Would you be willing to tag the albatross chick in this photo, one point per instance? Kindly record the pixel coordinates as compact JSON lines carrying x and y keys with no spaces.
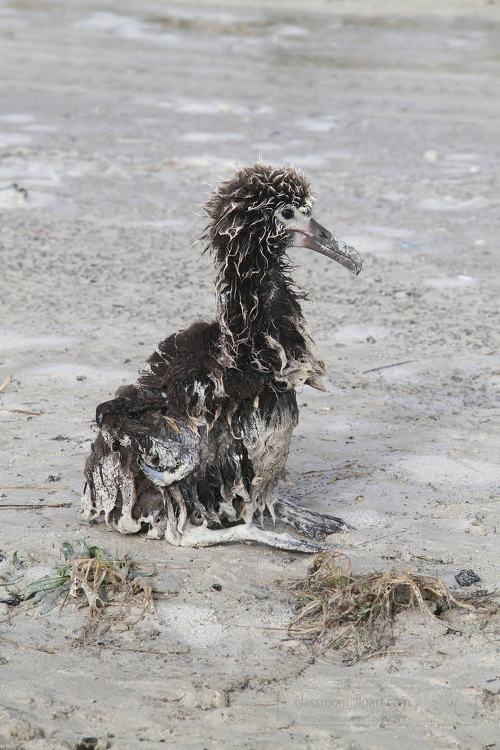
{"x":192,"y":453}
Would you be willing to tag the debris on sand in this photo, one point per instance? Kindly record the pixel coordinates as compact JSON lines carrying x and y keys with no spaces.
{"x":12,"y":196}
{"x":5,"y":383}
{"x":113,"y":589}
{"x":467,"y":577}
{"x":337,"y":609}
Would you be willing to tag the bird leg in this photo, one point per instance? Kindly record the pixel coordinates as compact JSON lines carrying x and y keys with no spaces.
{"x":202,"y":536}
{"x":311,"y":524}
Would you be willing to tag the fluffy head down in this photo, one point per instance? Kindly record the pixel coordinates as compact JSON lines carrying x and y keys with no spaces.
{"x":259,"y":314}
{"x":246,"y":205}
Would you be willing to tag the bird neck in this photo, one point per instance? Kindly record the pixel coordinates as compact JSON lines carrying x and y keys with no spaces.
{"x":262,"y":323}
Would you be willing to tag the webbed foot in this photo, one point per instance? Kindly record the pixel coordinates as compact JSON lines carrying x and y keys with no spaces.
{"x":201,"y":536}
{"x":308,"y":522}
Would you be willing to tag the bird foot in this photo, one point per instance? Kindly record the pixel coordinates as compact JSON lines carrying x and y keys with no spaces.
{"x":201,"y":536}
{"x":311,"y":524}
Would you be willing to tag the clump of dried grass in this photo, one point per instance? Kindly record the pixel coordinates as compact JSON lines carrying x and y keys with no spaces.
{"x":113,"y":589}
{"x":340,"y":610}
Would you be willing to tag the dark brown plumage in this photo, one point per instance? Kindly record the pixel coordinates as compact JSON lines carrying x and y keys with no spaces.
{"x":192,"y":453}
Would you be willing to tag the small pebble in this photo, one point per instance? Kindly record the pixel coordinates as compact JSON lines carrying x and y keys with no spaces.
{"x":93,"y":743}
{"x":217,"y":586}
{"x":466,"y":577}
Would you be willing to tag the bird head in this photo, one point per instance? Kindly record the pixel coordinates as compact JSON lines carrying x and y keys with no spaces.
{"x":264,"y":211}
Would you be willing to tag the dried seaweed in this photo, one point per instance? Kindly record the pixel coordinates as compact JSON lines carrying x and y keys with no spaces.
{"x":5,"y":383}
{"x":339,"y":610}
{"x":113,"y":589}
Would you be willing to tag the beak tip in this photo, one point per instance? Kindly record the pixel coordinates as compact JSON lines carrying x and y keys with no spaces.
{"x":356,"y":263}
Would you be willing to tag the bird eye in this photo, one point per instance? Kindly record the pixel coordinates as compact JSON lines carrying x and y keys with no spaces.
{"x":288,"y":213}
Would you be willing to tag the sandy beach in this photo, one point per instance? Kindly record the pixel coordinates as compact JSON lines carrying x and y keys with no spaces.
{"x":116,"y":121}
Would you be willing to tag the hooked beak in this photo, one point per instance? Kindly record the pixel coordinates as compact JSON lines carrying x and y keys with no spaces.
{"x":309,"y":233}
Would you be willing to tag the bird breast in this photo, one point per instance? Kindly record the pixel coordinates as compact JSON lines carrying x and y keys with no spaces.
{"x":266,"y":435}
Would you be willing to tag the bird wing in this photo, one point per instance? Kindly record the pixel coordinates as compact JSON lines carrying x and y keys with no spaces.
{"x":185,"y":368}
{"x":165,"y":448}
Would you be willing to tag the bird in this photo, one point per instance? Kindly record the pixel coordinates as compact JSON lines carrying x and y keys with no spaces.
{"x":193,"y":451}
